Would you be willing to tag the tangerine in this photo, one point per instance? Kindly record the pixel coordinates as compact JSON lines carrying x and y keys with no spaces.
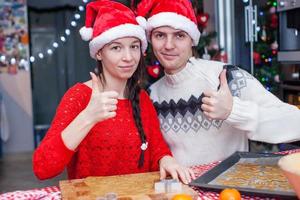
{"x":230,"y":194}
{"x":182,"y":197}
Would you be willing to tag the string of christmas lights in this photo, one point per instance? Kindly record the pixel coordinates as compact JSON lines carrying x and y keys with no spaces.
{"x":63,"y":38}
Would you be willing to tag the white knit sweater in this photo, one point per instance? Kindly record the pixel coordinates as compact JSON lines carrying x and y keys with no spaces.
{"x":256,"y":114}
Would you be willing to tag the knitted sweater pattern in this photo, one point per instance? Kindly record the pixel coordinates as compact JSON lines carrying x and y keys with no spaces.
{"x":193,"y":139}
{"x":112,"y":147}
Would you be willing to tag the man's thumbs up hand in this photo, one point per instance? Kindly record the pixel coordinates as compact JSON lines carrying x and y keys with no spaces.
{"x":218,"y":104}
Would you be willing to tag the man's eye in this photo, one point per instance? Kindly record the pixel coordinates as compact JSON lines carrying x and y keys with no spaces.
{"x":158,"y":35}
{"x":117,"y":48}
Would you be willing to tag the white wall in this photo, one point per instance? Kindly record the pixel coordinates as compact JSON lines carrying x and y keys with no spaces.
{"x":17,"y":97}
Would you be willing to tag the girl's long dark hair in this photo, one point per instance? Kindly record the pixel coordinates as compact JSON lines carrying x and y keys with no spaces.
{"x":133,"y":88}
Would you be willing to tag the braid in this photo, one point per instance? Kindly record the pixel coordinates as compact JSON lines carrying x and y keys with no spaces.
{"x":138,"y":123}
{"x":133,"y":89}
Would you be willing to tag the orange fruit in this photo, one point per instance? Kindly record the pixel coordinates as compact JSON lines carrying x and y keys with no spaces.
{"x":182,"y":197}
{"x":230,"y":194}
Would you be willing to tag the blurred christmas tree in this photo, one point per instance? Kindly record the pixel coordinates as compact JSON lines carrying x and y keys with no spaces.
{"x":266,"y":67}
{"x":207,"y":48}
{"x":265,"y":49}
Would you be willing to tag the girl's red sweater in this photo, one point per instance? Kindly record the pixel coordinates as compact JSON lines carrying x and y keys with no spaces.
{"x":111,"y":147}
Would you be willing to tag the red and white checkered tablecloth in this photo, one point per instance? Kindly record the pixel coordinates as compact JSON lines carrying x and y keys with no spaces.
{"x":53,"y":193}
{"x":47,"y":193}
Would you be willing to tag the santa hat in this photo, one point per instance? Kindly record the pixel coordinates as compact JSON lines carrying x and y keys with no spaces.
{"x":108,"y":20}
{"x":177,"y":14}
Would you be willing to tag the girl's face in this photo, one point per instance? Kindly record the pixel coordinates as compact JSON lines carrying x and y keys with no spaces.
{"x":120,"y":58}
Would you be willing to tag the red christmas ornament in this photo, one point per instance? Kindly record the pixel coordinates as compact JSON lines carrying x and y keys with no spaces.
{"x":153,"y":70}
{"x":12,"y":69}
{"x":202,"y":19}
{"x":274,"y":21}
{"x":222,"y":57}
{"x":256,"y":58}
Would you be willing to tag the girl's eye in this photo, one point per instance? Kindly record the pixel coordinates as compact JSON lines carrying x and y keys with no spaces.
{"x":135,"y":46}
{"x":180,"y":35}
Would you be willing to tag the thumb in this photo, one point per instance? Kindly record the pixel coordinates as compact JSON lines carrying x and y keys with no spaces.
{"x":223,"y":80}
{"x":163,"y":173}
{"x":95,"y":82}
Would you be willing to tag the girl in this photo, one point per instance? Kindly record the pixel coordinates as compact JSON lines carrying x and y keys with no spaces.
{"x":108,"y":125}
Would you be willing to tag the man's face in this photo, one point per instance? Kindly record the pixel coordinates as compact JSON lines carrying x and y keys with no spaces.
{"x":172,"y":47}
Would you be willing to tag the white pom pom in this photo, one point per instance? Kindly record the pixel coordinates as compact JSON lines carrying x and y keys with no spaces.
{"x":142,"y":21}
{"x":86,"y":33}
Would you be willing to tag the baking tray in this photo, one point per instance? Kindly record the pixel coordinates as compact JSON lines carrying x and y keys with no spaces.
{"x":208,"y":181}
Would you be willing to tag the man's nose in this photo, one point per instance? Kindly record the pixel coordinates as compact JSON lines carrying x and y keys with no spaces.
{"x":169,"y":44}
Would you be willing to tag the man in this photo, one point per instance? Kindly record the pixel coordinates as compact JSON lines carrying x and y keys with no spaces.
{"x":207,"y":109}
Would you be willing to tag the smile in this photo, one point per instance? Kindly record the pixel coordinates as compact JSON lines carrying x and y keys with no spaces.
{"x":169,"y":56}
{"x":124,"y":67}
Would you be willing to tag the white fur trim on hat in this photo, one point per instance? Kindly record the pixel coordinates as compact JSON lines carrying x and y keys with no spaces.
{"x":175,"y":21}
{"x":124,"y":30}
{"x":86,"y":33}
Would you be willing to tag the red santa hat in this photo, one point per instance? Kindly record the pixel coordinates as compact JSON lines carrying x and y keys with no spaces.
{"x":177,"y":14}
{"x":108,"y":20}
